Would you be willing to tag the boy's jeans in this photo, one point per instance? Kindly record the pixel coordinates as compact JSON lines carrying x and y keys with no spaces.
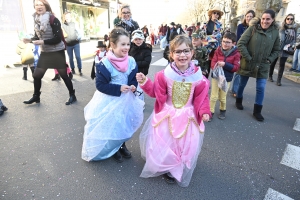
{"x":260,"y":89}
{"x":235,"y":83}
{"x":296,"y":60}
{"x":76,"y":49}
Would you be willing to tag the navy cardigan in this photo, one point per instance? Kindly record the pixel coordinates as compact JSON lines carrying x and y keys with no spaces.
{"x":103,"y":78}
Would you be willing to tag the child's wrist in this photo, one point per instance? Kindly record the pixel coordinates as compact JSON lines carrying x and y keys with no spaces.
{"x":144,"y":80}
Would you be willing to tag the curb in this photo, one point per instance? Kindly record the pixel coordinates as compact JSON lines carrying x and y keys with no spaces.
{"x":291,"y":75}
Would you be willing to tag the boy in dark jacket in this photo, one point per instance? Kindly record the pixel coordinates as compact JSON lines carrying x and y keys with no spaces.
{"x":142,"y":53}
{"x":200,"y":56}
{"x":227,"y":57}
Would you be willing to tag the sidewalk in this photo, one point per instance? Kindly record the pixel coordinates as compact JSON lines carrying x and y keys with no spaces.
{"x":287,"y":74}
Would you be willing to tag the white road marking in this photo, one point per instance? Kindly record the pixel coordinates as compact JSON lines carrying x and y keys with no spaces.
{"x":274,"y":195}
{"x":291,"y":157}
{"x":297,"y":125}
{"x":161,"y":62}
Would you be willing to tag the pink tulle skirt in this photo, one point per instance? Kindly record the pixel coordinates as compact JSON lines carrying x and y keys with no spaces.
{"x":166,"y":153}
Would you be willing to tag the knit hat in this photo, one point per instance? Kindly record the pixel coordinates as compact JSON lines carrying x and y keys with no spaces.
{"x":137,"y":34}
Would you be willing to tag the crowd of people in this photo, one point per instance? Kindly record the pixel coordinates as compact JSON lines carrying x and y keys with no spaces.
{"x":171,"y":138}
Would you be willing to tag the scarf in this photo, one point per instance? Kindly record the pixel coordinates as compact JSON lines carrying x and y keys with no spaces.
{"x":41,"y":22}
{"x":101,"y":54}
{"x":189,"y":71}
{"x":121,"y":64}
{"x":289,"y":33}
{"x":227,"y":52}
{"x":128,"y":22}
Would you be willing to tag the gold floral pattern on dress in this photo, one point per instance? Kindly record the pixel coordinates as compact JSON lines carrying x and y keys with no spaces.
{"x":180,"y":93}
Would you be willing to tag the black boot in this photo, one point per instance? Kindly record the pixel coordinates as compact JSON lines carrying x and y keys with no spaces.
{"x":80,"y":73}
{"x":56,"y":77}
{"x":270,"y":79}
{"x":70,"y":75}
{"x":278,"y":82}
{"x":2,"y":108}
{"x":35,"y":98}
{"x":73,"y":71}
{"x":32,"y":70}
{"x":222,"y":114}
{"x":238,"y":103}
{"x":72,"y":98}
{"x":24,"y":73}
{"x":124,"y":151}
{"x":257,"y":112}
{"x":118,"y":157}
{"x":169,"y":179}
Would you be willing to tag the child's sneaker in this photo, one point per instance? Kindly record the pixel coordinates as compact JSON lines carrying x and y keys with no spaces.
{"x":212,"y":115}
{"x":222,"y":114}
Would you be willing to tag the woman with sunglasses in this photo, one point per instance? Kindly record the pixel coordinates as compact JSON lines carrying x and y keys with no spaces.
{"x":126,"y":21}
{"x":287,"y":34}
{"x":212,"y":31}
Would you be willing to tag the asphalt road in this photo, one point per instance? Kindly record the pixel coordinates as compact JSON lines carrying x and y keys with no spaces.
{"x":40,"y":147}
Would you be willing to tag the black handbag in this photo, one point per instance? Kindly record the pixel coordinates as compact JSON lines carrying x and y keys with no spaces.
{"x":289,"y":50}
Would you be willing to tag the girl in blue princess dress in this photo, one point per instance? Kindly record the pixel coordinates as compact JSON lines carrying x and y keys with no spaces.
{"x":114,"y":113}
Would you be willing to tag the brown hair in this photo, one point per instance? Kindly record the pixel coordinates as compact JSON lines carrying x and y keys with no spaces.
{"x":283,"y":22}
{"x":45,"y":3}
{"x":178,"y":40}
{"x":122,"y":7}
{"x":231,"y":36}
{"x":115,"y":34}
{"x":244,"y":21}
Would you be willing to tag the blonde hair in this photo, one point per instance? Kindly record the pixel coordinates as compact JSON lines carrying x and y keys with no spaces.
{"x":177,"y":41}
{"x":122,"y":7}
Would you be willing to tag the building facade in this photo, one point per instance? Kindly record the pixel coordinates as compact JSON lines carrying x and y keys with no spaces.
{"x":94,"y":19}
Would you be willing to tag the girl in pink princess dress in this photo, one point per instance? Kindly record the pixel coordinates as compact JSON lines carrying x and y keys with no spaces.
{"x":172,"y":137}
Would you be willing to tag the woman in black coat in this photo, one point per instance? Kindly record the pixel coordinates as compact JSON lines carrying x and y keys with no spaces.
{"x":142,"y":53}
{"x":126,"y":21}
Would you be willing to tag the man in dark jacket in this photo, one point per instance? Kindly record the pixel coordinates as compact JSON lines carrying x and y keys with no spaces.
{"x":72,"y":38}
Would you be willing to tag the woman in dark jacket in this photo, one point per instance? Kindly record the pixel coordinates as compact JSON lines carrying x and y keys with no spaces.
{"x":259,"y":47}
{"x":126,"y":21}
{"x":141,"y":52}
{"x":287,"y":34}
{"x":240,"y":30}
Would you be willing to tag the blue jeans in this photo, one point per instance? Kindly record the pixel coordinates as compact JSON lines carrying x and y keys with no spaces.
{"x":260,"y":89}
{"x":76,"y":49}
{"x":235,"y":83}
{"x":296,"y":60}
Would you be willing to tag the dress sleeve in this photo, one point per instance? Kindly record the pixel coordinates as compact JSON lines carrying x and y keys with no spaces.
{"x":201,"y":99}
{"x":103,"y":78}
{"x":132,"y":77}
{"x":157,"y":89}
{"x":57,"y":33}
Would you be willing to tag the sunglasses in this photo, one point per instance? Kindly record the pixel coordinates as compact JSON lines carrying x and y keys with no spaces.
{"x":291,"y":19}
{"x":216,"y":13}
{"x":125,"y":13}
